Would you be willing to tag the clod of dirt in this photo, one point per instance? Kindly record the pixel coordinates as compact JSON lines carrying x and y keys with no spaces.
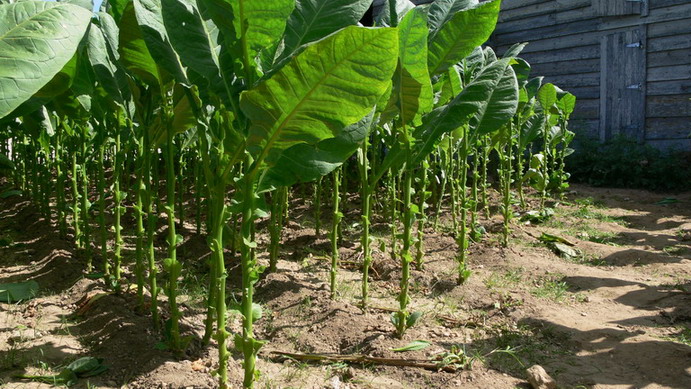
{"x":539,"y":379}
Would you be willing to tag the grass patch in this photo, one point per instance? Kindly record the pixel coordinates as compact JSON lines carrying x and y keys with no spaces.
{"x":550,"y":287}
{"x":508,"y":278}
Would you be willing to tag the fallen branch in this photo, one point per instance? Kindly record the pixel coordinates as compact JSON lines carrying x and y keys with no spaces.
{"x":364,"y":359}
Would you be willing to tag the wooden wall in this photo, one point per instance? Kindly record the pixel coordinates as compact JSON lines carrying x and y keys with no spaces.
{"x":568,"y":45}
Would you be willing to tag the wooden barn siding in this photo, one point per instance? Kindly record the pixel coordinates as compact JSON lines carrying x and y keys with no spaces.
{"x":564,"y":47}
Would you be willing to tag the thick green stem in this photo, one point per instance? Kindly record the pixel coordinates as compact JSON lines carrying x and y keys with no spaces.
{"x":317,"y":207}
{"x":506,"y":174}
{"x":335,"y":221}
{"x":405,"y":257}
{"x":249,"y":346}
{"x":75,"y":203}
{"x":462,"y":237}
{"x":60,"y":186}
{"x":172,"y":265}
{"x":86,"y":236}
{"x":101,"y":185}
{"x":219,"y":273}
{"x":365,"y":241}
{"x":119,"y":210}
{"x":140,"y":190}
{"x":151,"y":221}
{"x":421,"y":218}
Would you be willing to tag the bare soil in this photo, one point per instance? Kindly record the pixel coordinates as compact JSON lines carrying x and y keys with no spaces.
{"x":618,"y":315}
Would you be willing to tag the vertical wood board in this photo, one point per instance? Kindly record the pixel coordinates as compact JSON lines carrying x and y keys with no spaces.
{"x":623,"y":84}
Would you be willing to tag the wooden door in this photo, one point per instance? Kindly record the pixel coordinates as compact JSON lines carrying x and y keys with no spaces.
{"x":623,"y":84}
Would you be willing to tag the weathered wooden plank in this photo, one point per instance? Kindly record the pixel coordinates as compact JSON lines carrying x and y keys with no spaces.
{"x":668,"y":128}
{"x":669,"y":58}
{"x":617,"y":7}
{"x":671,"y":144}
{"x":663,"y":88}
{"x":585,"y":128}
{"x":669,"y":106}
{"x":574,"y":80}
{"x":546,"y":20}
{"x":674,"y":27}
{"x":585,"y":92}
{"x":623,"y":86}
{"x":512,"y":4}
{"x":570,"y":54}
{"x":676,"y":12}
{"x":543,"y":8}
{"x":566,"y":67}
{"x":587,"y":109}
{"x":553,"y":31}
{"x":668,"y":73}
{"x":655,"y":4}
{"x":675,"y":42}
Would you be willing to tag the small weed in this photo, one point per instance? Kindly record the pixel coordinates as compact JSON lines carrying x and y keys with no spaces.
{"x":550,"y":287}
{"x":674,"y":250}
{"x":508,"y":278}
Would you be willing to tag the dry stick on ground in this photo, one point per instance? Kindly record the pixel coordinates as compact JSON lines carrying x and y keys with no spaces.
{"x":359,"y":358}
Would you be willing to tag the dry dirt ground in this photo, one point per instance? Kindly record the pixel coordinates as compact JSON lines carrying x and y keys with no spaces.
{"x":618,"y":315}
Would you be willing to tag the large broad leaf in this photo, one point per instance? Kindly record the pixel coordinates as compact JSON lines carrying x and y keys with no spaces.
{"x":312,"y":20}
{"x":330,"y":85}
{"x":150,"y":18}
{"x":530,"y":130}
{"x":183,"y":117}
{"x":197,"y":42}
{"x":11,"y":293}
{"x":116,"y":8}
{"x":305,"y":163}
{"x":61,"y":82}
{"x":134,"y":54}
{"x":566,"y":102}
{"x":486,"y":104}
{"x":37,"y":39}
{"x":412,"y":85}
{"x":259,"y":24}
{"x":441,"y":11}
{"x":102,"y":64}
{"x":547,"y":96}
{"x":111,"y":32}
{"x":459,"y":36}
{"x":383,"y":17}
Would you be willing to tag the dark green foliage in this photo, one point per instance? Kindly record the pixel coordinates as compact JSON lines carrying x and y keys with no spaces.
{"x":625,"y":163}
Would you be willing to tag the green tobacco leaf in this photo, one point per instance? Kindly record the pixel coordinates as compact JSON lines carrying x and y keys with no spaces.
{"x":530,"y":130}
{"x":259,"y":24}
{"x":412,"y":85}
{"x":134,"y":54}
{"x":333,"y":83}
{"x":441,"y":11}
{"x":383,"y":18}
{"x":117,"y":8}
{"x":545,"y":237}
{"x":102,"y":64}
{"x":305,"y":163}
{"x":312,"y":20}
{"x":37,"y":39}
{"x":566,"y":103}
{"x":413,"y":346}
{"x":11,"y":293}
{"x":458,"y":37}
{"x":486,"y":104}
{"x":196,"y":43}
{"x":150,"y":18}
{"x":451,"y":85}
{"x":547,"y":96}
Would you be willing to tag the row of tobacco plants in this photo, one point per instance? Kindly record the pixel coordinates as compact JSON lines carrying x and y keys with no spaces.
{"x":237,"y":101}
